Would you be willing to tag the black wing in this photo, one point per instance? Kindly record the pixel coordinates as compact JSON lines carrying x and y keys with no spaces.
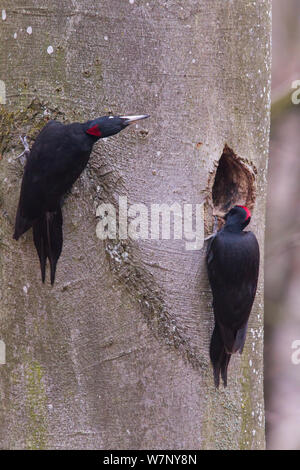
{"x":56,"y":159}
{"x":31,"y":201}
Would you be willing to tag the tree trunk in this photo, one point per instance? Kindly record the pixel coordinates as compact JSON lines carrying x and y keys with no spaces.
{"x":115,"y":355}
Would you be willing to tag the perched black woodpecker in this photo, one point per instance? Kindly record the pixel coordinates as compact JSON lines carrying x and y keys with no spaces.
{"x":57,"y":158}
{"x":233,"y":265}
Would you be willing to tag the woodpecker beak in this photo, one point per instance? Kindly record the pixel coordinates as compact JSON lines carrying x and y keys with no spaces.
{"x":132,"y":119}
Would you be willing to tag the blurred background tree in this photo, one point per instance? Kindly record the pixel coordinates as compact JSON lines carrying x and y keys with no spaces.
{"x":282,"y":268}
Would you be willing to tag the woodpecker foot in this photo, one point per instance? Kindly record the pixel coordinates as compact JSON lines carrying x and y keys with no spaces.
{"x":26,"y":151}
{"x":215,"y":229}
{"x":4,"y":213}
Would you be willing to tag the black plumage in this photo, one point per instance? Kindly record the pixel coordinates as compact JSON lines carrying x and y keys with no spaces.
{"x":233,"y":267}
{"x":57,"y":158}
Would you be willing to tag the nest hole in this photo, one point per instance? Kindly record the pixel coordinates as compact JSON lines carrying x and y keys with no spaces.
{"x":234,"y":183}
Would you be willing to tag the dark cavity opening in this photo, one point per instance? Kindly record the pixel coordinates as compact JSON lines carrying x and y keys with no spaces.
{"x":234,"y":183}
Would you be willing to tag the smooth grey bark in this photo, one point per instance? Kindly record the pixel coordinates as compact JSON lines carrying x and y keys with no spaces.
{"x":115,"y":355}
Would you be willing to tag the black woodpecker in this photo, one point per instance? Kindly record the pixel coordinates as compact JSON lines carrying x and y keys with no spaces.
{"x":57,"y":158}
{"x":233,"y":266}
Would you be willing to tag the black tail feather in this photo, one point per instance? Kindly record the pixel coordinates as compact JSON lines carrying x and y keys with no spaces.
{"x":40,"y":241}
{"x":48,"y":240}
{"x":224,"y":367}
{"x":219,"y":357}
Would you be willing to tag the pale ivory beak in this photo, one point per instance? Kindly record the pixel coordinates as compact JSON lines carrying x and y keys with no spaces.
{"x":133,"y":119}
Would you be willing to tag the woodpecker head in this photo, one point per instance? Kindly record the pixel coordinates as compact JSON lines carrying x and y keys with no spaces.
{"x":237,"y":218}
{"x":106,"y":126}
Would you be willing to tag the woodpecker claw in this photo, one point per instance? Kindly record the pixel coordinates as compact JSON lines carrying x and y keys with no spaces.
{"x":26,"y":150}
{"x":215,"y":228}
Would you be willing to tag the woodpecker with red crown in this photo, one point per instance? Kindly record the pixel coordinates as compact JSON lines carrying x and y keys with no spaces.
{"x":233,"y":266}
{"x":57,"y":158}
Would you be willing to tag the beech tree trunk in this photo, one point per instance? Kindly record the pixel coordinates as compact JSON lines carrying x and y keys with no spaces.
{"x":116,"y":354}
